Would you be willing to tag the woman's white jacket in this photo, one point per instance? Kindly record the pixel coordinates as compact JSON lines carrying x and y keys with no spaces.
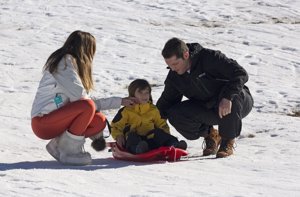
{"x":65,"y":84}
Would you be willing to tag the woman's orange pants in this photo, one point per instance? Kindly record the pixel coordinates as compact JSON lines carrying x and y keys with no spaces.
{"x":79,"y":118}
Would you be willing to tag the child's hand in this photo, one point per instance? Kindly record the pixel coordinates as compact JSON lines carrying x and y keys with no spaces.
{"x":120,"y":141}
{"x":129,"y":101}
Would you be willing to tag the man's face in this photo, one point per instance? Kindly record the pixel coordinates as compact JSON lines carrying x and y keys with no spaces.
{"x":178,"y":65}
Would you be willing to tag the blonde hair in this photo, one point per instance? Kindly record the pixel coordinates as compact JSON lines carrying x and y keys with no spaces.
{"x":82,"y":46}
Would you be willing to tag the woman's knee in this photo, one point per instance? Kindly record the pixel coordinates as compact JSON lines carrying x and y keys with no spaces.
{"x":101,"y":120}
{"x":87,"y":104}
{"x":40,"y":134}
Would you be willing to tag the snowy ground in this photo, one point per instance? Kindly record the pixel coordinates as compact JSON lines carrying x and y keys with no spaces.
{"x":263,"y":36}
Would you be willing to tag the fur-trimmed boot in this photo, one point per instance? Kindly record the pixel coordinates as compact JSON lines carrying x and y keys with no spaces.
{"x":71,"y":149}
{"x":52,"y":148}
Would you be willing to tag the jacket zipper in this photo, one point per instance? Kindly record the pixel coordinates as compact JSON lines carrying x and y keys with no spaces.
{"x":203,"y":87}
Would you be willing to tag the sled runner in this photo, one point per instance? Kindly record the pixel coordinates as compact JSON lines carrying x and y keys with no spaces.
{"x":160,"y":154}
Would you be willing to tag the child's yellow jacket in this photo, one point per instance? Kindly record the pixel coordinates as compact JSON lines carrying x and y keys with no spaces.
{"x":140,"y":118}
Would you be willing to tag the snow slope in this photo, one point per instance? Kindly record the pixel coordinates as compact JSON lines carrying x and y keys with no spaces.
{"x":262,"y":35}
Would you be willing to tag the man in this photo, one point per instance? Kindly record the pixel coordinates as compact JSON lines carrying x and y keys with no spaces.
{"x":216,"y":95}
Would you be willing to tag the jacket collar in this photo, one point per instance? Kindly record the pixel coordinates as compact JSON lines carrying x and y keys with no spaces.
{"x":142,"y":108}
{"x":194,"y":50}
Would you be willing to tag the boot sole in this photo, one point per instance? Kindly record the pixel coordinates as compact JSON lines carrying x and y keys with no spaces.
{"x":212,"y":153}
{"x":223,"y":155}
{"x":73,"y":161}
{"x":74,"y":164}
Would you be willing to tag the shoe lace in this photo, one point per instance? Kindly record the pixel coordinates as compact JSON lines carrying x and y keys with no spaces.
{"x":234,"y":145}
{"x":225,"y":145}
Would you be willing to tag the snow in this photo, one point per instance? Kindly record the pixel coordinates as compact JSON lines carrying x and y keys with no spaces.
{"x":262,"y":35}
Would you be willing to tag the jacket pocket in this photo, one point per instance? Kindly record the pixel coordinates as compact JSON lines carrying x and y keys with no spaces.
{"x":207,"y":85}
{"x":201,"y":81}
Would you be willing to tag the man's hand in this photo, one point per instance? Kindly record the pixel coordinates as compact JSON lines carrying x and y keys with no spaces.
{"x":129,"y":101}
{"x":120,"y":141}
{"x":224,"y":107}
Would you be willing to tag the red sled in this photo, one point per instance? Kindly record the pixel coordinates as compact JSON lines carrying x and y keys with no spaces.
{"x":160,"y":154}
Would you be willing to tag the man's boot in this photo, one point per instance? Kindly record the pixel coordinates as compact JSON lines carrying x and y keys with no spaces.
{"x":212,"y":141}
{"x":226,"y":148}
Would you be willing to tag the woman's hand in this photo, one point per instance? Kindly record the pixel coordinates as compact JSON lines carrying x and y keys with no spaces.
{"x":120,"y":141}
{"x":129,"y":101}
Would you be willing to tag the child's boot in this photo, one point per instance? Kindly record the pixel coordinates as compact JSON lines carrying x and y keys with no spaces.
{"x":181,"y":144}
{"x":142,"y":147}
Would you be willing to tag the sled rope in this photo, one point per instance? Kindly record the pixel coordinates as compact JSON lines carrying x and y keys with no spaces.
{"x":174,"y":156}
{"x":109,"y":128}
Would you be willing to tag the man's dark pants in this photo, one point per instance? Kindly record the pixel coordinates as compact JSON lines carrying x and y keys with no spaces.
{"x":193,"y":120}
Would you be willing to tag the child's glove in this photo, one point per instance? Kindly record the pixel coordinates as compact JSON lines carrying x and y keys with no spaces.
{"x":120,"y":141}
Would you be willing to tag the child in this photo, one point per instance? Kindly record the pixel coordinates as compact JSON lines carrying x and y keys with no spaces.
{"x":62,"y":110}
{"x":139,"y":128}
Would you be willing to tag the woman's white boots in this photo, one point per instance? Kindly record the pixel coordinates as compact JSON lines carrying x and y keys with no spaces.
{"x":68,"y":149}
{"x":52,"y":148}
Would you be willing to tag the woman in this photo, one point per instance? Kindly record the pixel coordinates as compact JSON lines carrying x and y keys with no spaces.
{"x":62,"y":110}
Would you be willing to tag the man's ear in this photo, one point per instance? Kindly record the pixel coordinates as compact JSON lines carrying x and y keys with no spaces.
{"x":186,"y":55}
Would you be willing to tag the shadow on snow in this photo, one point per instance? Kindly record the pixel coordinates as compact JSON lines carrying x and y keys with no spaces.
{"x":103,"y":163}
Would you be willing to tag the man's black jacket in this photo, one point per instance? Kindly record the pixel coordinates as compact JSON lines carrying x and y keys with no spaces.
{"x":212,"y":77}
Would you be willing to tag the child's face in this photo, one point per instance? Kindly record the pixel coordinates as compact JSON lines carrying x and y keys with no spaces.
{"x":142,"y":95}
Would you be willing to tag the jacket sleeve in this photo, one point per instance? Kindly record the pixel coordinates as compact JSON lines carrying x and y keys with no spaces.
{"x":119,"y":123}
{"x":169,"y":97}
{"x":222,"y":68}
{"x":160,"y":123}
{"x":67,"y":77}
{"x":107,"y":103}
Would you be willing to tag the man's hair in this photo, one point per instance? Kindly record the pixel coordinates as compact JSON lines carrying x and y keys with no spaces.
{"x":174,"y":46}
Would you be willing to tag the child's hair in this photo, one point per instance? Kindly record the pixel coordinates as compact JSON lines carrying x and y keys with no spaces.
{"x":82,"y":46}
{"x":140,"y":84}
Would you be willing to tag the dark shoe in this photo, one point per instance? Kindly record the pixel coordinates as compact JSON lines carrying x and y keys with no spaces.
{"x":181,"y":144}
{"x":226,"y":148}
{"x":132,"y":140}
{"x":142,"y":147}
{"x":99,"y":144}
{"x":212,"y":141}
